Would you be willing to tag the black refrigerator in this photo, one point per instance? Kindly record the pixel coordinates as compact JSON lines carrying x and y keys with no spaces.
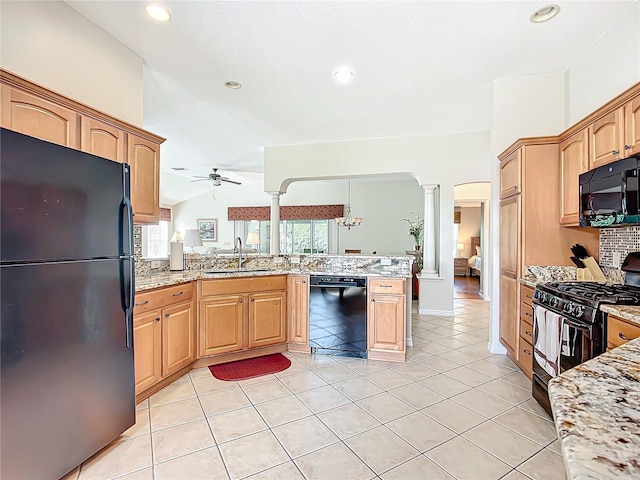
{"x":66,"y":278}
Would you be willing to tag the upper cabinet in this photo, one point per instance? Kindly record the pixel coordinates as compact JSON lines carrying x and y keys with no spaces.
{"x":573,"y":161}
{"x":37,"y":111}
{"x":510,"y":175}
{"x":34,"y":116}
{"x":606,"y":139}
{"x":632,"y":127}
{"x":100,"y":138}
{"x":144,"y":158}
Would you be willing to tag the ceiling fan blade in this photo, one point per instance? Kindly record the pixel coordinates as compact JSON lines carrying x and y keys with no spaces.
{"x":224,"y":179}
{"x":199,"y":176}
{"x":201,"y":180}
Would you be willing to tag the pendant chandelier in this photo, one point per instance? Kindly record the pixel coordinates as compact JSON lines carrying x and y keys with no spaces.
{"x":349,"y":221}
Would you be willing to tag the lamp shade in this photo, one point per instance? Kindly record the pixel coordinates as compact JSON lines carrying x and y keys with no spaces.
{"x":461,"y":246}
{"x":177,"y":237}
{"x":192,"y":238}
{"x":253,"y":238}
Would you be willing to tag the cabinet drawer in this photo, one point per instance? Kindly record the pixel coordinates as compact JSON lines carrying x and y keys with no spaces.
{"x":525,"y":358}
{"x":226,"y":286}
{"x":526,"y":313}
{"x":526,"y":294}
{"x":146,"y":301}
{"x":386,"y":285}
{"x":526,"y":331}
{"x":620,"y":332}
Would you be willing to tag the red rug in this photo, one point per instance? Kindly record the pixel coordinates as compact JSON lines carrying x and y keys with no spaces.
{"x":250,"y":368}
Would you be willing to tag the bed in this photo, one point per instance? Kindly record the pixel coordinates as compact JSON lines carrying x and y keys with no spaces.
{"x":475,"y":261}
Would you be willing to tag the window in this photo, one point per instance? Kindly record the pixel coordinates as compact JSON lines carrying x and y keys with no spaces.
{"x":155,"y":240}
{"x":296,"y":236}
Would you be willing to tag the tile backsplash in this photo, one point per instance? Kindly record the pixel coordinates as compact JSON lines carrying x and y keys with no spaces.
{"x":622,"y":240}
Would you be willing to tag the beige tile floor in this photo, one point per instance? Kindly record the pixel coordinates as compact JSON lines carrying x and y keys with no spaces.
{"x":453,"y":411}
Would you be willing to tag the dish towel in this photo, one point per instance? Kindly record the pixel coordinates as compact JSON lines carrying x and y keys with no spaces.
{"x":547,"y":329}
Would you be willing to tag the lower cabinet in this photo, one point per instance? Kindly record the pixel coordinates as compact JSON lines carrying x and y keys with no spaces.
{"x":298,"y":312}
{"x":525,"y":348}
{"x":386,"y":319}
{"x":620,"y":331}
{"x":509,"y":318}
{"x":164,"y":334}
{"x":241,"y":314}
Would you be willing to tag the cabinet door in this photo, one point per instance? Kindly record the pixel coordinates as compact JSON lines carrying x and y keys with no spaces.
{"x":221,"y":320}
{"x":99,"y":138}
{"x":267,"y":319}
{"x":386,"y":322}
{"x":147,"y":331}
{"x":606,"y":139}
{"x":178,"y":337}
{"x":298,"y":308}
{"x":632,"y":127}
{"x":509,"y":320}
{"x":510,"y":235}
{"x":510,"y":174}
{"x":31,"y":115}
{"x":144,"y":158}
{"x":574,"y":160}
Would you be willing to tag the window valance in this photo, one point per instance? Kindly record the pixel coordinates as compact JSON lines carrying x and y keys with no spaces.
{"x":290,"y":212}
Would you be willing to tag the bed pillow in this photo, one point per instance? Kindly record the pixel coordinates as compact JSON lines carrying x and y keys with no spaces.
{"x":478,"y":250}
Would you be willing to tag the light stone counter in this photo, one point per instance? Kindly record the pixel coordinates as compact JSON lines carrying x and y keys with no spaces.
{"x":596,"y":408}
{"x":632,"y":314}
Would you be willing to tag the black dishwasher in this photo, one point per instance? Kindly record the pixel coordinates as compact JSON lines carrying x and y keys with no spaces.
{"x":338,"y":315}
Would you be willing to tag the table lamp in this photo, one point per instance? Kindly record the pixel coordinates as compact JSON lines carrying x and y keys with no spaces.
{"x":460,"y":249}
{"x":192,"y":239}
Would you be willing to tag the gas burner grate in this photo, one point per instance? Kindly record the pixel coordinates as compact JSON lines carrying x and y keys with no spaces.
{"x":597,"y":292}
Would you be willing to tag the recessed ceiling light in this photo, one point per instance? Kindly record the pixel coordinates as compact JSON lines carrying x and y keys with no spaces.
{"x":545,"y":13}
{"x":343,"y":74}
{"x":233,"y":85}
{"x":159,"y":13}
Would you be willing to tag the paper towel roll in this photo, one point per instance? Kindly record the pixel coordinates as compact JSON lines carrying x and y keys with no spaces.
{"x":176,"y":257}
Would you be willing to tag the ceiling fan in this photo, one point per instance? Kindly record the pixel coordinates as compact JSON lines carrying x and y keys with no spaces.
{"x":215,"y":178}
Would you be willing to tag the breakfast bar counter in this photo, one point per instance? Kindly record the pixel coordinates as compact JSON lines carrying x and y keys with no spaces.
{"x":596,"y":408}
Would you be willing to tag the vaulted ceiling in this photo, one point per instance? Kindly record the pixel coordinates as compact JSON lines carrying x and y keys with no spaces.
{"x":422,"y":67}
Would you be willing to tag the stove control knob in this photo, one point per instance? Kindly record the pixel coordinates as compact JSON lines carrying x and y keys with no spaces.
{"x":569,"y":307}
{"x":554,"y":302}
{"x":543,"y":297}
{"x":579,"y":310}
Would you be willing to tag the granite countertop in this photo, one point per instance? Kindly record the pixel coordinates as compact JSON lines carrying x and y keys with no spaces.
{"x":596,"y":408}
{"x":630,"y":313}
{"x":165,"y":279}
{"x":529,"y":282}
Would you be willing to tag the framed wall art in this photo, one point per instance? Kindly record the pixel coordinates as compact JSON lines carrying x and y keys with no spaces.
{"x":208,"y":228}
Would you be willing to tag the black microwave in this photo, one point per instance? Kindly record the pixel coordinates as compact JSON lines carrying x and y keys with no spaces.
{"x":609,"y":195}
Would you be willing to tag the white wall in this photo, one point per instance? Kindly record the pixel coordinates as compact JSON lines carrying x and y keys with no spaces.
{"x":51,"y":44}
{"x":382,"y":204}
{"x":470,"y":220}
{"x":606,"y":68}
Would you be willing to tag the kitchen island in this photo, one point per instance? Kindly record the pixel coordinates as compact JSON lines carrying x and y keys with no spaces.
{"x":596,"y":408}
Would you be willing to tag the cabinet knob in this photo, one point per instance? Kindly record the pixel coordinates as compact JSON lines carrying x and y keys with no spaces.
{"x":627,"y":147}
{"x":176,"y":294}
{"x":240,"y":301}
{"x":166,"y":315}
{"x":616,"y":152}
{"x":157,"y":319}
{"x":253,"y":299}
{"x":302,"y":282}
{"x":142,"y":303}
{"x":527,"y":351}
{"x":373,"y":300}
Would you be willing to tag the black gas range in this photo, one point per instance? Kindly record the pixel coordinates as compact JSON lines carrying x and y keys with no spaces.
{"x":583,"y":324}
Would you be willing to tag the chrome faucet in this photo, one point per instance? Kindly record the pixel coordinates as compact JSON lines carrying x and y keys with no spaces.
{"x":237,"y":245}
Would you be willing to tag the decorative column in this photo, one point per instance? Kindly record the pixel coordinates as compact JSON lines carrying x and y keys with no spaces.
{"x":429,"y":266}
{"x":275,"y":222}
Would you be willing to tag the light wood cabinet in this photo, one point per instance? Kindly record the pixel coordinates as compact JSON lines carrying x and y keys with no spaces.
{"x":386,"y":320}
{"x":241,"y":314}
{"x":510,"y":175}
{"x":525,"y":349}
{"x":267,"y":319}
{"x":221,"y":325}
{"x":144,"y":158}
{"x":164,"y":334}
{"x":39,"y":112}
{"x":606,"y":139}
{"x":574,"y":160}
{"x":509,"y":235}
{"x":101,"y":139}
{"x":298,"y":312}
{"x":147,"y":335}
{"x":29,"y":114}
{"x":509,"y":314}
{"x":620,"y":331}
{"x":632,"y":127}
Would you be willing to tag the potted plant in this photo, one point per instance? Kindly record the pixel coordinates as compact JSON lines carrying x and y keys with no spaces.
{"x":416,"y":231}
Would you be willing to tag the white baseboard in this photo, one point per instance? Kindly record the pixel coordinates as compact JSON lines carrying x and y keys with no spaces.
{"x":409,"y":342}
{"x":430,"y":311}
{"x":499,"y":348}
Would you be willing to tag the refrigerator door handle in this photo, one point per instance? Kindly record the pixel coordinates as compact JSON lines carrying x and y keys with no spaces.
{"x":128,"y":292}
{"x":128,"y":214}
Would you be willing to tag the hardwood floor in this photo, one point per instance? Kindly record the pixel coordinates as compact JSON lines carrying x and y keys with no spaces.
{"x":466,"y":287}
